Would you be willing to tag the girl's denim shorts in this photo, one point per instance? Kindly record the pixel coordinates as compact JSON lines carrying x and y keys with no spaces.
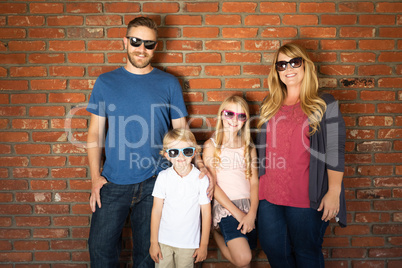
{"x":228,"y":228}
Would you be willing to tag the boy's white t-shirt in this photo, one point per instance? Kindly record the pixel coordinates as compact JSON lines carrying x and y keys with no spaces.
{"x":180,"y":222}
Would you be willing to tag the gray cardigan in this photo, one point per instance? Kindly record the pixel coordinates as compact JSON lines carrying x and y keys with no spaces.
{"x":327,"y":151}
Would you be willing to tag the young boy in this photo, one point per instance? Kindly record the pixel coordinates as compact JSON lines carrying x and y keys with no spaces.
{"x":179,"y":195}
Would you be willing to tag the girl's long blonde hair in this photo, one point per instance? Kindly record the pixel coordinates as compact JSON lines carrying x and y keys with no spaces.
{"x":244,"y":133}
{"x":312,"y":105}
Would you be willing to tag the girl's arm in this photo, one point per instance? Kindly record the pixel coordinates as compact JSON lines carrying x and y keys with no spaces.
{"x":247,"y":224}
{"x":154,"y":250}
{"x":200,"y":254}
{"x":219,"y":194}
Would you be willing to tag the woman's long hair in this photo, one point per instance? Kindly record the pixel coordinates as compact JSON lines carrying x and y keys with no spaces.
{"x":312,"y":105}
{"x":244,"y":132}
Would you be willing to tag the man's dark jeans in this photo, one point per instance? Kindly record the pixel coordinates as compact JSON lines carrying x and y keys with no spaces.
{"x":108,"y":221}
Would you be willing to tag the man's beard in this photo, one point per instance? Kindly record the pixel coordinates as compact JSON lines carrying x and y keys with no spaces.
{"x":137,"y":64}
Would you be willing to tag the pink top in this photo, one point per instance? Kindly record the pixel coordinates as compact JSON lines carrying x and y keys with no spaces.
{"x":231,"y":178}
{"x":287,"y":159}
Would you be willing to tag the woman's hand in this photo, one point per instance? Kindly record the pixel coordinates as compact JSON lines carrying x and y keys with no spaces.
{"x":329,"y":205}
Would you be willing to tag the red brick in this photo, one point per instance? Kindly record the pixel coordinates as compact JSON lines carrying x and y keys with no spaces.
{"x":66,"y":71}
{"x":377,"y":95}
{"x":103,"y":20}
{"x":14,"y":210}
{"x":256,"y":70}
{"x":16,"y":257}
{"x":66,"y":244}
{"x":48,"y":161}
{"x":66,"y":97}
{"x":222,"y":20}
{"x":84,"y":7}
{"x":32,"y":197}
{"x":12,"y":185}
{"x":356,"y":7}
{"x":12,"y":59}
{"x":161,"y":7}
{"x":71,"y":221}
{"x":122,"y":7}
{"x":47,"y":111}
{"x":201,"y":32}
{"x":222,"y":45}
{"x":92,"y":32}
{"x":12,"y":33}
{"x":354,"y":108}
{"x":28,"y":98}
{"x":239,"y":33}
{"x":356,"y":32}
{"x":389,"y":133}
{"x":373,"y":194}
{"x":31,"y":245}
{"x":26,"y":45}
{"x":390,"y":57}
{"x":375,"y":170}
{"x":358,"y":57}
{"x":210,"y":83}
{"x":51,"y":209}
{"x":337,"y":69}
{"x":46,"y":33}
{"x":13,"y":136}
{"x":85,"y":57}
{"x":46,"y":8}
{"x":242,"y":83}
{"x":80,"y":184}
{"x":72,"y":197}
{"x":375,"y":121}
{"x":98,"y":70}
{"x":317,"y":32}
{"x":243,"y":57}
{"x":358,"y":158}
{"x":280,"y":32}
{"x":385,"y":252}
{"x":317,"y":7}
{"x":389,"y":107}
{"x":65,"y":20}
{"x":12,"y":111}
{"x":46,"y":58}
{"x":280,"y":7}
{"x":66,"y":123}
{"x":378,"y":69}
{"x":50,"y":233}
{"x":55,"y":256}
{"x":201,"y":7}
{"x":72,"y":45}
{"x":48,"y":84}
{"x":184,"y":45}
{"x":222,"y":70}
{"x":183,"y":71}
{"x":193,"y":96}
{"x":12,"y":8}
{"x":69,"y":172}
{"x":377,"y":19}
{"x":390,"y":82}
{"x":203,"y":58}
{"x":390,"y":32}
{"x":74,"y":160}
{"x":376,"y":44}
{"x":32,"y":148}
{"x":28,"y":71}
{"x":348,"y":253}
{"x":338,"y":19}
{"x":261,"y":45}
{"x":338,"y":44}
{"x":368,"y":217}
{"x":262,"y":20}
{"x":14,"y":85}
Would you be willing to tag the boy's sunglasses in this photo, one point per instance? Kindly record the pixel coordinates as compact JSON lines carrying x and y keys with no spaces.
{"x":229,"y":115}
{"x":294,"y":63}
{"x":136,"y":42}
{"x":188,"y":152}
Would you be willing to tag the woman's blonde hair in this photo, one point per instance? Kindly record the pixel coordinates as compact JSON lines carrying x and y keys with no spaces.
{"x":179,"y":134}
{"x":244,"y":132}
{"x":312,"y":105}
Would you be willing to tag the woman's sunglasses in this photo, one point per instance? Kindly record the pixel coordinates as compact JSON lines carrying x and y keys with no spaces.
{"x":136,"y":42}
{"x":188,"y":152}
{"x":229,"y":115}
{"x":294,"y":63}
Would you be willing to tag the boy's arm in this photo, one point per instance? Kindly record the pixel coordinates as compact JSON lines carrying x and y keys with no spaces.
{"x":154,"y":250}
{"x":200,"y":254}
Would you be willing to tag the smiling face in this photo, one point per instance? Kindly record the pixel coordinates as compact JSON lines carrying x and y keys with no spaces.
{"x":181,"y":161}
{"x":139,"y":57}
{"x":232,"y":124}
{"x":291,"y":77}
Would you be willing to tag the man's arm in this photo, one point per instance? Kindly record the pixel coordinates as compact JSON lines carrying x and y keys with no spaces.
{"x":154,"y":250}
{"x":180,"y":123}
{"x":95,"y":141}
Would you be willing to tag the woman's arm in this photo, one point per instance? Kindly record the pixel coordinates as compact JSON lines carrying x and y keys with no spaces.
{"x":330,"y":202}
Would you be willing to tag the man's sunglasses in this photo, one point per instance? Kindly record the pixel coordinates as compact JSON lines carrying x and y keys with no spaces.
{"x":136,"y":42}
{"x":229,"y":115}
{"x":294,"y":63}
{"x":188,"y":152}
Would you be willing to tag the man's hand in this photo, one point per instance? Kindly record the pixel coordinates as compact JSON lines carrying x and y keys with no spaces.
{"x":97,"y":184}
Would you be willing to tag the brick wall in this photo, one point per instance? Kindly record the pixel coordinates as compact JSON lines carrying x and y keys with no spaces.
{"x":51,"y":52}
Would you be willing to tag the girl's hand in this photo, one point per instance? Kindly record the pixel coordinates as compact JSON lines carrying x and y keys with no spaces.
{"x":200,"y":254}
{"x":247,"y":224}
{"x":205,"y":172}
{"x":330,"y":205}
{"x":155,"y":252}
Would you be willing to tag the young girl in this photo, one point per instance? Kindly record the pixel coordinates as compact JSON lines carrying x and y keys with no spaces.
{"x":231,"y":159}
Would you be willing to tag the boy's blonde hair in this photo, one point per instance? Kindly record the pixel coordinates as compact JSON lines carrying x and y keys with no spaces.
{"x":244,"y":132}
{"x":179,"y":134}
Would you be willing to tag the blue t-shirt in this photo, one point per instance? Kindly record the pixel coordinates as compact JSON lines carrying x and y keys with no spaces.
{"x":139,"y":110}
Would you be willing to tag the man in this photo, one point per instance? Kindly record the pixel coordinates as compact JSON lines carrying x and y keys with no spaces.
{"x":138,"y":104}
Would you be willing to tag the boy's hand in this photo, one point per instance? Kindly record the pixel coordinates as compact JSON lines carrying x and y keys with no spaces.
{"x":155,"y":252}
{"x":200,"y":254}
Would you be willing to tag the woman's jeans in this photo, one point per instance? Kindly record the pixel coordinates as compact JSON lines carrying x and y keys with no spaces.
{"x":108,"y":221}
{"x":291,"y":237}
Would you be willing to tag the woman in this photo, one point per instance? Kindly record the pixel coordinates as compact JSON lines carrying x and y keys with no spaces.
{"x":301,"y":154}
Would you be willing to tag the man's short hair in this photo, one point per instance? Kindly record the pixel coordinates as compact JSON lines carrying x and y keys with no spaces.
{"x":143,"y":21}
